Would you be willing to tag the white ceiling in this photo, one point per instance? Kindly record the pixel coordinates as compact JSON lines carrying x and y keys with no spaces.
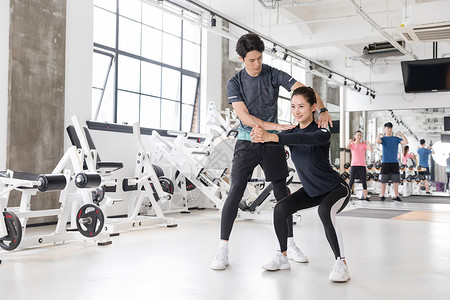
{"x":334,"y":33}
{"x":336,"y":24}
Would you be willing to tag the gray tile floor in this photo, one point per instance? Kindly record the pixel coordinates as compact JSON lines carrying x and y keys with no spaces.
{"x":388,"y":259}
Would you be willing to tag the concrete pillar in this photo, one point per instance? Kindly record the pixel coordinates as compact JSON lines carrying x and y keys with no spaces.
{"x":229,"y":67}
{"x":35,"y":132}
{"x":228,"y":70}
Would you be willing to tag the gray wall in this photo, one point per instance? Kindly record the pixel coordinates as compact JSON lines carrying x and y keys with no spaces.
{"x":228,"y":70}
{"x":35,"y":134}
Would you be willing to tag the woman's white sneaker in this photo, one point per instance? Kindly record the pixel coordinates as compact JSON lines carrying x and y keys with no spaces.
{"x":340,"y":271}
{"x":279,"y":262}
{"x":296,"y":255}
{"x":220,"y":262}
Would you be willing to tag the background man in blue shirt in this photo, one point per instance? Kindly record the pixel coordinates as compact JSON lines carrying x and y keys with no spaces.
{"x":424,"y":155}
{"x":389,"y":162}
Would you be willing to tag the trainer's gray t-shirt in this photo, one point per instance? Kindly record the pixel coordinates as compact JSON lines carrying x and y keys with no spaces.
{"x":260,"y":94}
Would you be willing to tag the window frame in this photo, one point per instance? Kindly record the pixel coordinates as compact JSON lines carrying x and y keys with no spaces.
{"x":117,"y":53}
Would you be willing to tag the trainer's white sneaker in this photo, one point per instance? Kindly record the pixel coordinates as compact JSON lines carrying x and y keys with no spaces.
{"x":220,"y":262}
{"x":340,"y":272}
{"x":279,"y":262}
{"x":296,"y":255}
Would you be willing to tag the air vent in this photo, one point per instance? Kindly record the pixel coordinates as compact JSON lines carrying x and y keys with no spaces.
{"x":426,"y":33}
{"x":381,"y":50}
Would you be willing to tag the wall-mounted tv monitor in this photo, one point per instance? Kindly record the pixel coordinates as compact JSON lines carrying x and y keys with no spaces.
{"x":428,"y":75}
{"x":446,"y":123}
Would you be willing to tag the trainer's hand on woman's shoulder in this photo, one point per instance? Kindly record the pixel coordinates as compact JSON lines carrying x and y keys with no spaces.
{"x":324,"y":120}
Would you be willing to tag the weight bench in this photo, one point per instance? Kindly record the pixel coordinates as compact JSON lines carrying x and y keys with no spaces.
{"x":105,"y":167}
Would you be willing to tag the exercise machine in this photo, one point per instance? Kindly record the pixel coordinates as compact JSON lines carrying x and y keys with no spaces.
{"x":14,"y":222}
{"x":143,"y":190}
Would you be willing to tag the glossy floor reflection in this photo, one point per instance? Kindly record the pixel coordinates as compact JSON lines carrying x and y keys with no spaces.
{"x":388,"y":259}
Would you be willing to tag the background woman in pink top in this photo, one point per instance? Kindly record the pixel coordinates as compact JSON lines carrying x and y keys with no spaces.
{"x":407,"y":155}
{"x":358,"y":165}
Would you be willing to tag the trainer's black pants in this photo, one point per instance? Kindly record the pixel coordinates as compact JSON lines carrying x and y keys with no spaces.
{"x":247,"y":156}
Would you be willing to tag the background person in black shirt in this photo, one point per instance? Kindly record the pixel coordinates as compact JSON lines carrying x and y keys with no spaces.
{"x":322,"y":186}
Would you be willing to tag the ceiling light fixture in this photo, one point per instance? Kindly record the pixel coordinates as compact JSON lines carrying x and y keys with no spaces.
{"x":274,"y":49}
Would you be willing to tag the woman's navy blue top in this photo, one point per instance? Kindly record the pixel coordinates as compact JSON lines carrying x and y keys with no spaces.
{"x":310,"y":149}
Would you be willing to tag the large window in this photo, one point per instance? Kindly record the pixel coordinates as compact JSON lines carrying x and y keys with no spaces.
{"x":146,"y":64}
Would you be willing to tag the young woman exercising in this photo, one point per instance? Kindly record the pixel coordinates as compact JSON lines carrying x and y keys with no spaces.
{"x":358,"y":166}
{"x":322,"y":186}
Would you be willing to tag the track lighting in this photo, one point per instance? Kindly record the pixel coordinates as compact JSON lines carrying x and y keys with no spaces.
{"x":274,"y":49}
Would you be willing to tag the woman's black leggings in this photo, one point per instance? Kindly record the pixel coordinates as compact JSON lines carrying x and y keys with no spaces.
{"x":231,"y":205}
{"x":329,"y":205}
{"x":358,"y":172}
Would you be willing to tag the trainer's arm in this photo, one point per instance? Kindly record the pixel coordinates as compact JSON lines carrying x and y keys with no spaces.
{"x":247,"y":119}
{"x":259,"y":135}
{"x":318,"y":137}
